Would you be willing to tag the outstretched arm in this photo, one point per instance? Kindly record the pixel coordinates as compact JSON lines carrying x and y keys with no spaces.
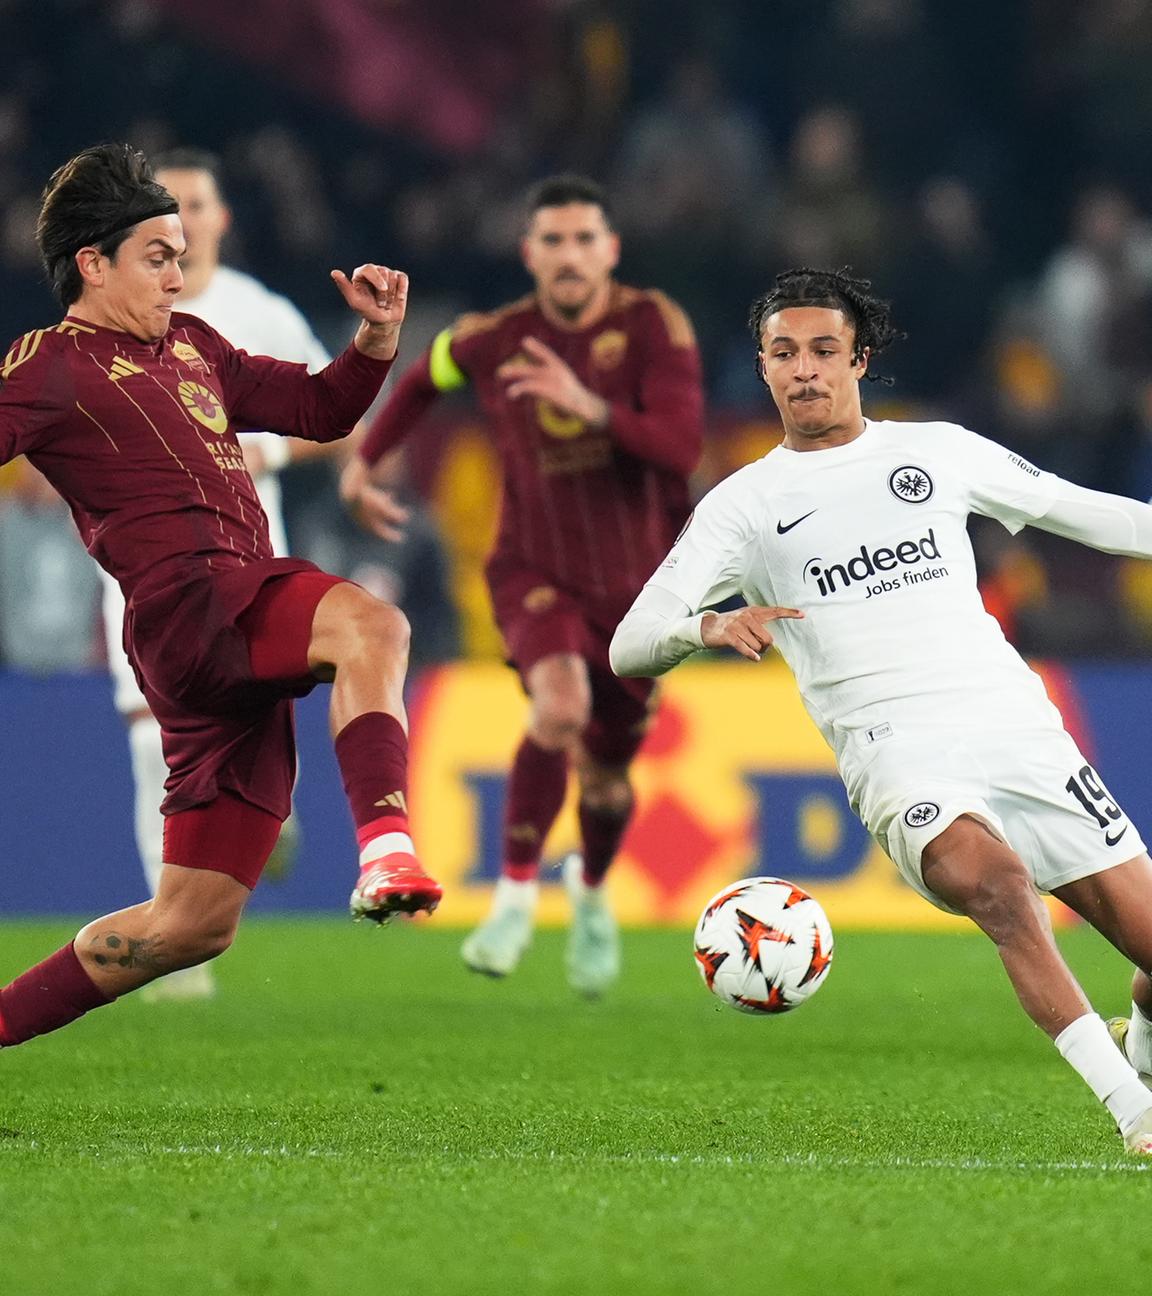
{"x":264,"y":393}
{"x":659,"y":631}
{"x":1111,"y":523}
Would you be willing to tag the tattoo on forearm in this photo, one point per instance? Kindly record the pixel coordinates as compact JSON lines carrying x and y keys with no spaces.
{"x":112,"y":951}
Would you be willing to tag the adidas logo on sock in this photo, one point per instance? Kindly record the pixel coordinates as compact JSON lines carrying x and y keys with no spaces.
{"x":395,"y":801}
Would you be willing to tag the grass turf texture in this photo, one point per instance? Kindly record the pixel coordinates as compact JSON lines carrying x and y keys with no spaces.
{"x":356,"y":1113}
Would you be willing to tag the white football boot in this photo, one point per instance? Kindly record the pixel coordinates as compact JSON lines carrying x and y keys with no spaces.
{"x":593,"y":955}
{"x":1138,"y":1140}
{"x":1118,"y":1029}
{"x":496,"y":946}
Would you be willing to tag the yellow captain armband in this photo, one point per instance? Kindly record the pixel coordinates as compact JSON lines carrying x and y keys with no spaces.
{"x":445,"y":373}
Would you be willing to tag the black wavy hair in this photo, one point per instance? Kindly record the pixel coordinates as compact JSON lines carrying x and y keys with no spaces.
{"x":95,"y":200}
{"x":871,"y":317}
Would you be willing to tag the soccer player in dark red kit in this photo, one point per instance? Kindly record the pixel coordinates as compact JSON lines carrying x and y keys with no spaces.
{"x":130,"y":410}
{"x":592,"y":390}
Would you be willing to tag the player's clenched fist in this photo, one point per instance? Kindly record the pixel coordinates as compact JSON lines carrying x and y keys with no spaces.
{"x":380,"y":297}
{"x":746,"y":629}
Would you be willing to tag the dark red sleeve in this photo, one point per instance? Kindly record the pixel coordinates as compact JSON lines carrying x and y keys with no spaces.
{"x":282,"y":397}
{"x":35,"y":393}
{"x":414,"y":393}
{"x":666,"y":424}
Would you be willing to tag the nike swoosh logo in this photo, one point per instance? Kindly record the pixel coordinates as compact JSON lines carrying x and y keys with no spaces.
{"x":1110,"y":840}
{"x":781,"y":528}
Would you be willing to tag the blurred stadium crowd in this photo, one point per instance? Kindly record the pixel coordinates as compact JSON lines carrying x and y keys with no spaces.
{"x":989,"y":167}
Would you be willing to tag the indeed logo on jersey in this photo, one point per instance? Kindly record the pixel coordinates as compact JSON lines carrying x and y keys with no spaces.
{"x":906,"y":561}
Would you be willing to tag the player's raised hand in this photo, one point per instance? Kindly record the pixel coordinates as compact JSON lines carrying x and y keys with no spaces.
{"x":375,"y":508}
{"x":539,"y":372}
{"x":746,"y":629}
{"x":380,"y":297}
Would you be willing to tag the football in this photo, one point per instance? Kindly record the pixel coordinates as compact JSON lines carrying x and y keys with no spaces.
{"x":763,"y":945}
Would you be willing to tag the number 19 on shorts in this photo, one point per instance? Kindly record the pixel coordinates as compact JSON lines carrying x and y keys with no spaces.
{"x":1087,"y":787}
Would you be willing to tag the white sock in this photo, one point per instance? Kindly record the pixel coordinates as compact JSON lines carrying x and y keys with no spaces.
{"x":1139,"y":1041}
{"x":1088,"y":1048}
{"x":511,"y":894}
{"x":148,"y":774}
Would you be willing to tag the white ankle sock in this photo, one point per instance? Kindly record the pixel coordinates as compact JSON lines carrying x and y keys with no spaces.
{"x":511,"y":894}
{"x":1139,"y":1041}
{"x":1088,"y":1048}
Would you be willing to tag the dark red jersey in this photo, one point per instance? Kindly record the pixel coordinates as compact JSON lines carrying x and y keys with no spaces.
{"x":593,"y":510}
{"x":140,"y":438}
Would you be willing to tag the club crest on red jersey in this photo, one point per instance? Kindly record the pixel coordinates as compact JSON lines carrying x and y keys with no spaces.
{"x":609,"y":348}
{"x":187,"y":354}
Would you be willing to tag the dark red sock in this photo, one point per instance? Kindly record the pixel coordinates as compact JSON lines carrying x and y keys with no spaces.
{"x":601,"y":832}
{"x":536,"y":788}
{"x":372,"y":751}
{"x":46,"y":997}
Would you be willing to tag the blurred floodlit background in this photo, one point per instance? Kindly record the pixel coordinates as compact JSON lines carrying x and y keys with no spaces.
{"x":988,"y":166}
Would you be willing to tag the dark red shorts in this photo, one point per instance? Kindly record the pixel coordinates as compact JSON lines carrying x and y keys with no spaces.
{"x":539,"y":619}
{"x":219,"y":659}
{"x":228,"y":835}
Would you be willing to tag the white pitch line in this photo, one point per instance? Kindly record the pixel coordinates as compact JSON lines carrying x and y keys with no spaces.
{"x":810,"y":1160}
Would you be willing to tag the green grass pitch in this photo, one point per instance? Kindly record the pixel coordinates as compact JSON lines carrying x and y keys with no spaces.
{"x":357,"y":1114}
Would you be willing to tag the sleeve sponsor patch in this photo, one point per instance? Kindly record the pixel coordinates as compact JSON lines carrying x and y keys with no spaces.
{"x":1023,"y":465}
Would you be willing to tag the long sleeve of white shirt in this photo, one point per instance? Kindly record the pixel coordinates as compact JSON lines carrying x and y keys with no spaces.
{"x":657,"y":633}
{"x":1111,"y":523}
{"x":661,"y":630}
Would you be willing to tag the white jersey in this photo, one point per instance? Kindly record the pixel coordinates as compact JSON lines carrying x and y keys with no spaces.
{"x":869,"y":541}
{"x":261,"y":322}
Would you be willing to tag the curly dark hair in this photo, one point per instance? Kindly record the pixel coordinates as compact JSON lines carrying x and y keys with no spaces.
{"x":870,"y":316}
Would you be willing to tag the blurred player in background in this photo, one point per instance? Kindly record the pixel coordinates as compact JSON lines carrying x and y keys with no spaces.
{"x":130,"y":410}
{"x":849,"y":543}
{"x":593,"y":392}
{"x":262,"y":323}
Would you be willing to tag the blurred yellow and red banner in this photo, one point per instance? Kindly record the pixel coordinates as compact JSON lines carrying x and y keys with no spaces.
{"x":734,"y":780}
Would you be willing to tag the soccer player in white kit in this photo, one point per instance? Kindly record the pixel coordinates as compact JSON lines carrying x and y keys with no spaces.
{"x":848,"y":542}
{"x":263,"y":323}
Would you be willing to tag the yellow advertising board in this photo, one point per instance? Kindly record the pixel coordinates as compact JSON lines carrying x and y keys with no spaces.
{"x":734,"y":780}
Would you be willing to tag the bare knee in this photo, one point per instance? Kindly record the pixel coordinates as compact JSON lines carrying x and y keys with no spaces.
{"x":560,"y":715}
{"x":977,"y":873}
{"x":194,"y":916}
{"x":1006,"y":905}
{"x":378,"y":627}
{"x":352,"y":625}
{"x":561,"y":696}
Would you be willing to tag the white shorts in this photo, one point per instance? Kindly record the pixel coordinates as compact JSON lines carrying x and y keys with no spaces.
{"x":1032,"y":787}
